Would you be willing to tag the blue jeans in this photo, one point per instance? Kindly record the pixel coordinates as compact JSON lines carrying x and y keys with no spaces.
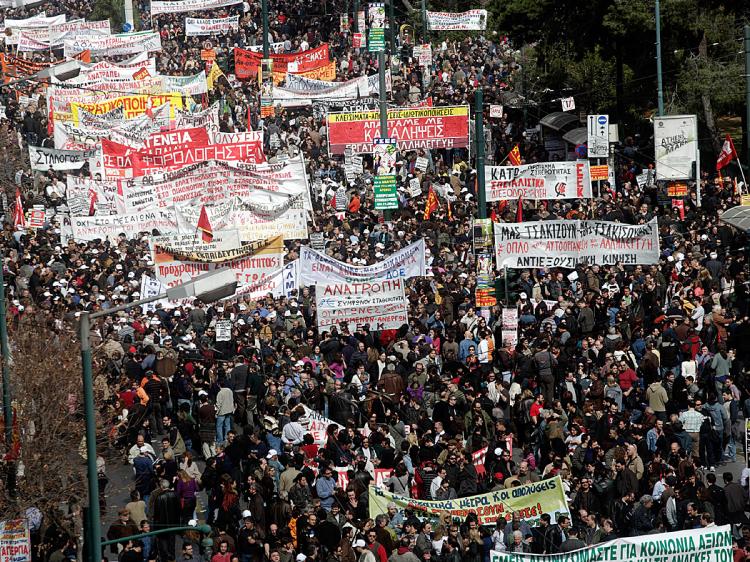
{"x":223,"y":425}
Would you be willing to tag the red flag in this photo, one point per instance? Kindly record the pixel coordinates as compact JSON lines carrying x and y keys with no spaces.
{"x":207,"y":233}
{"x":519,"y":210}
{"x":19,"y":219}
{"x":431,"y":204}
{"x":515,"y":156}
{"x":727,"y":154}
{"x":332,"y":203}
{"x":93,"y":198}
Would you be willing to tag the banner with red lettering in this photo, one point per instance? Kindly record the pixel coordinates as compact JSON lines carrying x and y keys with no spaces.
{"x":427,"y":127}
{"x":543,"y":180}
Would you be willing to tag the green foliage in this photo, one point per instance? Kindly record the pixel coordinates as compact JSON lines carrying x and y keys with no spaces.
{"x":113,"y":10}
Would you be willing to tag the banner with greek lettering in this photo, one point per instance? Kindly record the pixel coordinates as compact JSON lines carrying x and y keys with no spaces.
{"x":45,"y":159}
{"x":15,"y":541}
{"x":249,"y":270}
{"x":133,"y":105}
{"x":472,"y":20}
{"x":316,"y":424}
{"x":111,"y":226}
{"x":379,"y":304}
{"x":705,"y":544}
{"x":180,"y":6}
{"x":282,"y":283}
{"x":111,"y":45}
{"x":352,"y":89}
{"x":58,"y":33}
{"x":193,"y":85}
{"x":207,"y":118}
{"x":106,"y":70}
{"x":217,"y":26}
{"x":224,"y":246}
{"x":319,"y":269}
{"x":565,"y":243}
{"x":545,"y":180}
{"x":529,"y":501}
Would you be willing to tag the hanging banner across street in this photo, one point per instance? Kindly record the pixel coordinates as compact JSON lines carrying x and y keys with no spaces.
{"x":567,"y":244}
{"x":472,"y":20}
{"x":529,"y":501}
{"x":704,"y":544}
{"x":110,"y":45}
{"x":428,"y":127}
{"x":545,"y":180}
{"x":180,"y":6}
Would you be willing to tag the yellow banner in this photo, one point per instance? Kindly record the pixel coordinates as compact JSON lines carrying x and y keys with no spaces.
{"x":133,"y":105}
{"x":405,"y":113}
{"x":530,"y":501}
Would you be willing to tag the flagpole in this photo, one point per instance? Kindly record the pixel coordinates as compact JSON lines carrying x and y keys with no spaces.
{"x":744,"y":181}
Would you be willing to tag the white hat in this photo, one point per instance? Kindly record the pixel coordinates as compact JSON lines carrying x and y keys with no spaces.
{"x":246,"y":514}
{"x":177,"y":313}
{"x":359,"y":543}
{"x":301,"y":557}
{"x":193,"y":523}
{"x":498,"y":451}
{"x":523,"y":296}
{"x":202,"y":393}
{"x":143,"y":449}
{"x":272,"y":453}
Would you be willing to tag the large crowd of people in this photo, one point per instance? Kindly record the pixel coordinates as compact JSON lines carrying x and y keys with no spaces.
{"x":627,"y":382}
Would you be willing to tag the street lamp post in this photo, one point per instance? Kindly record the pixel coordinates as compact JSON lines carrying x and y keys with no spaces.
{"x":209,"y":287}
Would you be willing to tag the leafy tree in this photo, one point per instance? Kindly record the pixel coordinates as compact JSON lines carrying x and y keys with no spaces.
{"x":113,"y":10}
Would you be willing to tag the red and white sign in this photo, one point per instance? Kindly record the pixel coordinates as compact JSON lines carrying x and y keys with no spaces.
{"x":381,"y":304}
{"x":428,"y":127}
{"x":543,"y":180}
{"x":247,"y":63}
{"x":216,"y":26}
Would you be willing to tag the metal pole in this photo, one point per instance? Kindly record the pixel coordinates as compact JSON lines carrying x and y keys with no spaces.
{"x":264,"y":7}
{"x":95,"y":524}
{"x":392,"y":26}
{"x":747,"y":97}
{"x":355,"y":26}
{"x":660,"y":91}
{"x":424,"y":21}
{"x":479,"y":129}
{"x":5,"y":350}
{"x":383,"y":109}
{"x":523,"y":86}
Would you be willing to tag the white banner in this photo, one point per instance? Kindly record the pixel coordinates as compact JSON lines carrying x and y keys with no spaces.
{"x":207,"y":118}
{"x":544,"y":180}
{"x":704,"y":544}
{"x":291,"y":224}
{"x":109,"y":71}
{"x":111,"y":226}
{"x":192,"y":85}
{"x":319,"y":269}
{"x":27,"y":42}
{"x":380,"y":304}
{"x":58,"y":33}
{"x":473,"y":20}
{"x":250,"y":270}
{"x":299,"y":83}
{"x":567,"y":244}
{"x":352,"y":89}
{"x":675,"y":146}
{"x":45,"y":159}
{"x":196,"y":26}
{"x":111,"y":45}
{"x":172,"y":7}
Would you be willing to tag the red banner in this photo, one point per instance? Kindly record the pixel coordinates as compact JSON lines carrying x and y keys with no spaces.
{"x":427,"y":127}
{"x":247,"y":63}
{"x":122,"y":161}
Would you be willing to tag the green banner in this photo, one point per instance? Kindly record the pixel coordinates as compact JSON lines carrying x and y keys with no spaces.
{"x":376,"y":40}
{"x":386,"y":195}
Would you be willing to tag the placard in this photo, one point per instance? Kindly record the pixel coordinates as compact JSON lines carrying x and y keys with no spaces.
{"x":471,"y":20}
{"x":379,"y":304}
{"x":386,"y":193}
{"x":496,"y":111}
{"x":223,"y":330}
{"x":539,"y":181}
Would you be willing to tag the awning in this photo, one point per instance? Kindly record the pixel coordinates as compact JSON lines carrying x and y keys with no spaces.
{"x":738,"y":217}
{"x":577,"y":136}
{"x":559,"y":121}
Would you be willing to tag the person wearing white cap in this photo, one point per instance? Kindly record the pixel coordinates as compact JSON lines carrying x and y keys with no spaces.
{"x":364,"y":554}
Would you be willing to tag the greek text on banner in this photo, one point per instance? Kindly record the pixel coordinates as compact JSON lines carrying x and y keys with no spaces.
{"x":545,"y":180}
{"x":707,"y":544}
{"x":529,"y":501}
{"x":570,"y":243}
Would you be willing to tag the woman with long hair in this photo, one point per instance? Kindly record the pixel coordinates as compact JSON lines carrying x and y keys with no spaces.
{"x":186,"y":489}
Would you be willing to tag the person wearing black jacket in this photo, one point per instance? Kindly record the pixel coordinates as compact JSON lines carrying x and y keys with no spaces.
{"x":557,"y":535}
{"x":166,"y":513}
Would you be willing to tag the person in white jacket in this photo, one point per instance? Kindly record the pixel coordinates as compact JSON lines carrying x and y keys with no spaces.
{"x":294,"y":431}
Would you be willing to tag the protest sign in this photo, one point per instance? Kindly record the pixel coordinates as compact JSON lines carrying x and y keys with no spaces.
{"x":171,"y":7}
{"x":224,"y":245}
{"x":472,"y":20}
{"x":111,"y":226}
{"x":570,"y":243}
{"x":282,"y":283}
{"x":106,"y":70}
{"x":384,"y":188}
{"x":316,"y":424}
{"x":111,"y":45}
{"x":59,"y":32}
{"x":379,"y":304}
{"x":195,"y":85}
{"x":496,"y":111}
{"x":216,"y":26}
{"x":510,"y":326}
{"x":248,"y":269}
{"x":599,"y":173}
{"x":291,"y":224}
{"x":207,"y":118}
{"x":318,"y":241}
{"x":15,"y":541}
{"x":675,"y":146}
{"x":544,"y":180}
{"x":223,"y":330}
{"x":704,"y":544}
{"x":529,"y":501}
{"x":428,"y":127}
{"x":132,"y":106}
{"x":45,"y":159}
{"x":321,"y":108}
{"x":319,"y":269}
